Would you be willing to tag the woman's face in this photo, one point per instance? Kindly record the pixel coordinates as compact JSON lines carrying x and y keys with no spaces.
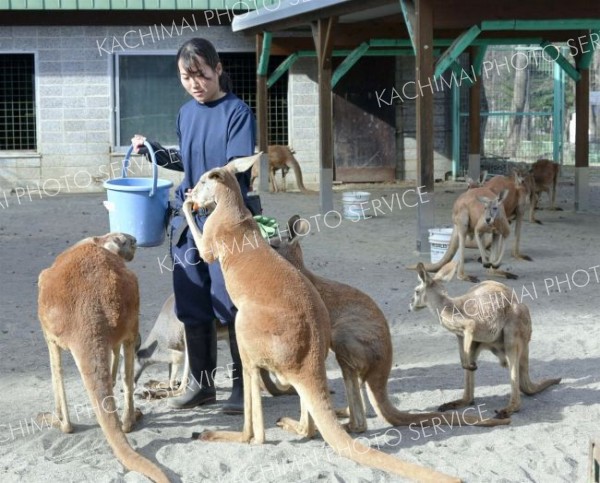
{"x":202,"y":84}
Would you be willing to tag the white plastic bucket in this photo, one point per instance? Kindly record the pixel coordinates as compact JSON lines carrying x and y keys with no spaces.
{"x":354,"y":205}
{"x":439,"y":239}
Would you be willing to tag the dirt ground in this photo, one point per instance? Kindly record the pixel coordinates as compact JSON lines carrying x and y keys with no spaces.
{"x":548,"y":440}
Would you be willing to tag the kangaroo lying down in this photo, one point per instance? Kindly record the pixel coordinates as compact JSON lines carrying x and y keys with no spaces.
{"x":290,"y":339}
{"x":88,"y":303}
{"x":485,"y":317}
{"x":361,"y":341}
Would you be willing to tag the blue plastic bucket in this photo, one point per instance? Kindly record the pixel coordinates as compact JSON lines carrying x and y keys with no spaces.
{"x":138,"y":206}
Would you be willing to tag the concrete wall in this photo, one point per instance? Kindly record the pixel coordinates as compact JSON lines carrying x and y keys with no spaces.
{"x":74,"y":89}
{"x":303,"y":119}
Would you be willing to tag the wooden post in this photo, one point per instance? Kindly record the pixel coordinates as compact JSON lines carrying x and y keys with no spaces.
{"x":582,"y":142}
{"x":323,"y":37}
{"x":262,"y":119}
{"x":424,"y":78}
{"x":474,"y":121}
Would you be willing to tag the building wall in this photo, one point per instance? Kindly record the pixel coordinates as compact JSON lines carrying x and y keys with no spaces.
{"x":303,"y":119}
{"x":74,"y":84}
{"x":406,"y":124}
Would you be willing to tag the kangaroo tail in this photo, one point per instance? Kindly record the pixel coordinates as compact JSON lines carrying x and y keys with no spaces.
{"x":293,"y":164}
{"x":450,"y":252}
{"x":526,"y":384}
{"x":386,"y":410}
{"x":93,"y":362}
{"x":319,"y":405}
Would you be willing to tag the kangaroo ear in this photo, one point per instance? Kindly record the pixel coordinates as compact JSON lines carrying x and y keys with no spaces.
{"x":298,"y":227}
{"x":484,"y":200}
{"x":422,"y":273}
{"x":502,"y":196}
{"x":241,"y":165}
{"x":217,"y":174}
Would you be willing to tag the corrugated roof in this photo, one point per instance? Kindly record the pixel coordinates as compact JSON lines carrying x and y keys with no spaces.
{"x":240,"y":5}
{"x":285,"y":9}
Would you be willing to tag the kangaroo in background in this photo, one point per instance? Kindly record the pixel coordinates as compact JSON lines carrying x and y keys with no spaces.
{"x":477,"y":212}
{"x":166,"y":344}
{"x":88,"y":303}
{"x":494,"y":322}
{"x":281,"y":157}
{"x":361,"y":341}
{"x":290,"y":339}
{"x":545,"y":175}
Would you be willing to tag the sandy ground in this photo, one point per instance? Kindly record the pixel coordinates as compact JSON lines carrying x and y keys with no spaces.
{"x":548,"y":439}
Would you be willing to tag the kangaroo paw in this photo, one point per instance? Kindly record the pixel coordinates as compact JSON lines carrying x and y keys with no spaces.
{"x":293,"y":426}
{"x":511,"y":276}
{"x":487,"y":265}
{"x":350,"y":428}
{"x":519,"y":256}
{"x":459,"y":403}
{"x":342,"y":413}
{"x":54,"y":422}
{"x":502,"y":414}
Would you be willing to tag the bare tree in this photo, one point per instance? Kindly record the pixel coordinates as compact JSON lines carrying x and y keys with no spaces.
{"x":518,"y":105}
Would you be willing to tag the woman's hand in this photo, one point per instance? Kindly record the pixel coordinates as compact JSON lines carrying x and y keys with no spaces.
{"x":137,"y":142}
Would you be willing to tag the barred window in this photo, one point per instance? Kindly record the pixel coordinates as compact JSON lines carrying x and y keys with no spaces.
{"x":17,"y":102}
{"x":149,"y":103}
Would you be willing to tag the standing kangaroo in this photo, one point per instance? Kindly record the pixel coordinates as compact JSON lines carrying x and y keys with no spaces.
{"x":281,"y":322}
{"x":88,"y":303}
{"x":492,"y":321}
{"x":361,"y":341}
{"x":545,"y":176}
{"x":281,"y":157}
{"x":477,"y":212}
{"x":519,"y":189}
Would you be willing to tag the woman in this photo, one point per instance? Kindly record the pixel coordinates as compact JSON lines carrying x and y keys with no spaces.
{"x":214,"y":127}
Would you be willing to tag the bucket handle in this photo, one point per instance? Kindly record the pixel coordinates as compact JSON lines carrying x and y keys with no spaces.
{"x":154,"y":166}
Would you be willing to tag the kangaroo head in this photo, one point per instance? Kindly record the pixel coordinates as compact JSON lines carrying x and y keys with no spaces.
{"x":204,"y":194}
{"x":289,"y":247}
{"x":121,"y":244}
{"x":492,"y":207}
{"x":419,"y":299}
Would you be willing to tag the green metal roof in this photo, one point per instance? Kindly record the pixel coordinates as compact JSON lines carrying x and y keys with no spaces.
{"x":243,"y":5}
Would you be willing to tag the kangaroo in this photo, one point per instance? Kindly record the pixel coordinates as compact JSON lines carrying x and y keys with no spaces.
{"x":477,"y":212}
{"x":486,"y":317}
{"x":166,"y":344}
{"x":361,"y":341}
{"x":514,"y":204}
{"x":545,"y":176}
{"x":281,"y":157}
{"x":282,"y":324}
{"x":88,"y":303}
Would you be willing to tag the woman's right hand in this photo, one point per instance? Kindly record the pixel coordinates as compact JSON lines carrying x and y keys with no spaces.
{"x":137,"y":142}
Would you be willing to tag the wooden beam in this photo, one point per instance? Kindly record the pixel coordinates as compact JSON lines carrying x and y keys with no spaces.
{"x":553,"y":53}
{"x":475,"y":53}
{"x":265,"y":53}
{"x":262,"y":94}
{"x":408,"y":11}
{"x":282,"y":69}
{"x":323,"y":36}
{"x":348,"y":63}
{"x":424,"y":77}
{"x":587,"y":54}
{"x":457,"y":48}
{"x":582,"y":141}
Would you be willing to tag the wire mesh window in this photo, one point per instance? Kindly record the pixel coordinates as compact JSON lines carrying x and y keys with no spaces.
{"x":149,"y":104}
{"x":242,"y":70}
{"x":17,"y":102}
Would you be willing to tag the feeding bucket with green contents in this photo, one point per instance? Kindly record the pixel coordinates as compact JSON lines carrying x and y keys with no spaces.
{"x":139,"y":206}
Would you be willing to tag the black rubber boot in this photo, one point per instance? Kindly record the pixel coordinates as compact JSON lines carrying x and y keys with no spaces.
{"x":235,"y":403}
{"x":202,"y":354}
